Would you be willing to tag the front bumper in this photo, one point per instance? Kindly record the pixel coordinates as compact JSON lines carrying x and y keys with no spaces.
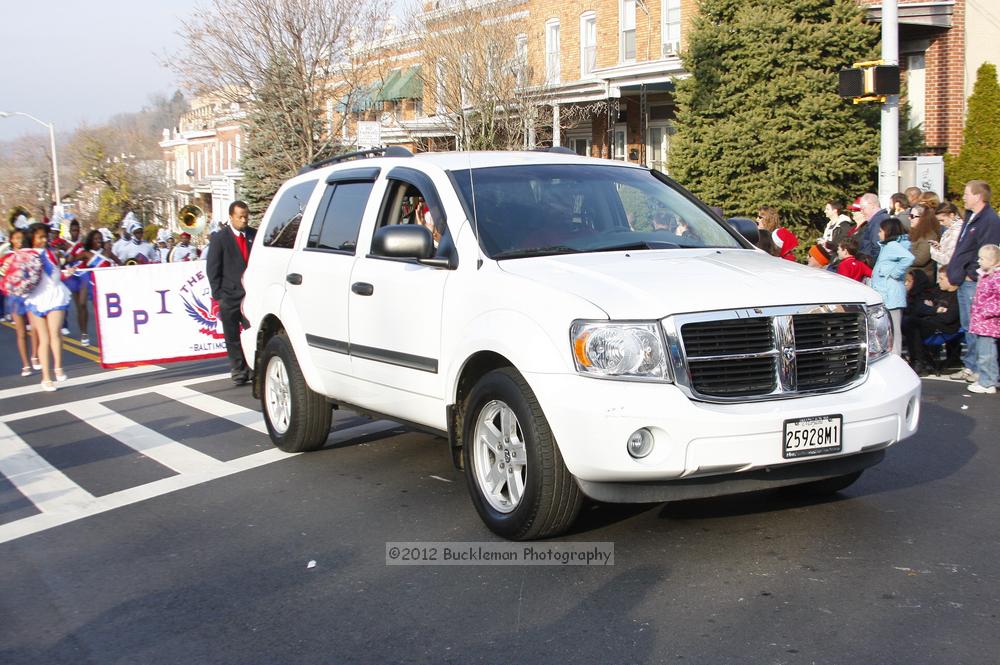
{"x":592,"y":420}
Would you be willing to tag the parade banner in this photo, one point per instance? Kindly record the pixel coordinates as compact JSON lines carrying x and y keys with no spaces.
{"x":156,"y":313}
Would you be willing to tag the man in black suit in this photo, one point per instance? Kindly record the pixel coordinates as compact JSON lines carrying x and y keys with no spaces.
{"x":228,"y":254}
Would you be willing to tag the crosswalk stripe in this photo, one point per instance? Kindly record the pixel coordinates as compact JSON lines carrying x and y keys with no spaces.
{"x":152,"y":444}
{"x":44,"y":485}
{"x":42,"y":410}
{"x":219,"y":408}
{"x":110,"y":375}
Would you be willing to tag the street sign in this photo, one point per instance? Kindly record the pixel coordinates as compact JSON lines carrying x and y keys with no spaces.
{"x":369,"y":135}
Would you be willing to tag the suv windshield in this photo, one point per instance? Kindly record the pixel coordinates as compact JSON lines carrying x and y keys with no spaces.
{"x":543,"y":209}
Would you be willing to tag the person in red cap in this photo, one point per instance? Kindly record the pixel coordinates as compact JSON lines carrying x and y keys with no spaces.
{"x":784,"y":240}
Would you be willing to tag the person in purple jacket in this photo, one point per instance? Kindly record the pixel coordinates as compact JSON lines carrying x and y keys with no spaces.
{"x":981,"y":228}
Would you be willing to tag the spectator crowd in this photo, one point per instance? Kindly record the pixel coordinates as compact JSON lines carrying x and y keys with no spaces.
{"x":934,"y":266}
{"x":936,"y":270}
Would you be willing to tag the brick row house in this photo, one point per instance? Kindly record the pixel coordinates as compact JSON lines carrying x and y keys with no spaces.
{"x":625,"y":55}
{"x":602,"y":74}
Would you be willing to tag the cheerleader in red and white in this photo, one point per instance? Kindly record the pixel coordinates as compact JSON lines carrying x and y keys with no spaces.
{"x":47,"y":305}
{"x":14,"y":305}
{"x":77,"y":284}
{"x":90,"y":256}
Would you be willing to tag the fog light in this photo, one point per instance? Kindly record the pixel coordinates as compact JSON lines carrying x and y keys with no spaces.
{"x":640,"y":443}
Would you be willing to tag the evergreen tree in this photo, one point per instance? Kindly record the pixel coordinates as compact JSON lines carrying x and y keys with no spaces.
{"x":760,"y":121}
{"x":274,"y":151}
{"x":979,"y":158}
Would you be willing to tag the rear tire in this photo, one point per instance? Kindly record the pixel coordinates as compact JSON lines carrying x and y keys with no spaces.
{"x":825,"y":487}
{"x":297,"y":418}
{"x":517,"y":480}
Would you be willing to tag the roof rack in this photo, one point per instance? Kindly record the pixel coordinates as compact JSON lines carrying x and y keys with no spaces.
{"x":561,"y":149}
{"x":384,"y":151}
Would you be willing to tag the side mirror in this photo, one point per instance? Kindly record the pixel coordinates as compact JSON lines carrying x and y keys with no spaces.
{"x":745,"y":227}
{"x":403,"y":241}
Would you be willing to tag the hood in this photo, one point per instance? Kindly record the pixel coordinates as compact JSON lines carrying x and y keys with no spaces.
{"x":652,"y":284}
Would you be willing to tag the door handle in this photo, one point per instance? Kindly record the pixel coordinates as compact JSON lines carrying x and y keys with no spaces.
{"x":362,"y":288}
{"x":293,"y":278}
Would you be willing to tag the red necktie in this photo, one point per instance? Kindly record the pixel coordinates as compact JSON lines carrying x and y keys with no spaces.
{"x":241,"y":241}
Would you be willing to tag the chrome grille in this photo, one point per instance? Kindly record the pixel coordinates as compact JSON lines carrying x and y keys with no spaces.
{"x":768,"y":353}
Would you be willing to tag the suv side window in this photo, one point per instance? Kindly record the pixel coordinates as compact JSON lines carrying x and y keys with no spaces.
{"x":338,"y":219}
{"x":287,"y":216}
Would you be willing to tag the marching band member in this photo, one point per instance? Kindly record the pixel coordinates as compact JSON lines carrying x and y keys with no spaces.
{"x":126,"y":236}
{"x":138,"y":251}
{"x":183,"y":251}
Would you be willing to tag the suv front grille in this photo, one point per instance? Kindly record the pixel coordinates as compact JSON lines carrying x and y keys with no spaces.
{"x":773,"y":353}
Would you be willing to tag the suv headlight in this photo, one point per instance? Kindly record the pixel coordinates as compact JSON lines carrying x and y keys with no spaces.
{"x":879,"y":332}
{"x":619,"y":350}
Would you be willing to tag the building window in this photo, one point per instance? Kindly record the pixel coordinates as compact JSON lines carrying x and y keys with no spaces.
{"x":916,"y":88}
{"x":671,"y":28}
{"x":627,"y":22}
{"x":588,"y":44}
{"x":618,"y":148}
{"x":521,"y":59}
{"x":552,"y":51}
{"x":439,"y":85}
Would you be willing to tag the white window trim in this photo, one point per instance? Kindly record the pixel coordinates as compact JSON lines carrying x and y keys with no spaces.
{"x":553,"y":74}
{"x":621,"y":30}
{"x":586,"y":18}
{"x":521,"y":59}
{"x":665,"y":30}
{"x":620,"y":127}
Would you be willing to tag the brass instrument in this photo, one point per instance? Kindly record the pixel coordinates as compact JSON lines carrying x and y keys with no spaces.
{"x":192,"y":219}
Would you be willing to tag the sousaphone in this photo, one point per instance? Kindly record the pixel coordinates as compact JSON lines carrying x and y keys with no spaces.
{"x":192,"y":219}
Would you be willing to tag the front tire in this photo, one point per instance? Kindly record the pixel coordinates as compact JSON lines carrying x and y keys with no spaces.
{"x":297,"y":418}
{"x":518,"y":482}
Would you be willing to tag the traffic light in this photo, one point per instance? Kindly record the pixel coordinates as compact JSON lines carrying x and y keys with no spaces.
{"x":869,"y":81}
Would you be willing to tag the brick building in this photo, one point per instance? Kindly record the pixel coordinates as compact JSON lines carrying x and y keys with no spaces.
{"x":941,"y":45}
{"x":201,"y":158}
{"x":603,"y":70}
{"x":624,"y":55}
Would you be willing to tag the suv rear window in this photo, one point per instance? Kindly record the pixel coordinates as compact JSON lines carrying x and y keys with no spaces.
{"x":286,"y":216}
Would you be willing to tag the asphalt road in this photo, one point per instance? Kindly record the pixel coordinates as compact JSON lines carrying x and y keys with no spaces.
{"x":215,"y":568}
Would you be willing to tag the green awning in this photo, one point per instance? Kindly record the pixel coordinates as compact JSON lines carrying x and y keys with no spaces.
{"x":410,"y":85}
{"x":363,"y":99}
{"x":386,"y":92}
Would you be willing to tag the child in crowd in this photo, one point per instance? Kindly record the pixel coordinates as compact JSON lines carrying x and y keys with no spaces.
{"x":850,"y":265}
{"x":985,"y":320}
{"x":887,"y":276}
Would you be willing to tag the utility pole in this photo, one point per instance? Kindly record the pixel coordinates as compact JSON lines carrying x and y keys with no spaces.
{"x":888,"y":169}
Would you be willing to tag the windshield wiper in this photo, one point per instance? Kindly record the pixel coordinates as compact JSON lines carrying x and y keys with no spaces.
{"x":537,"y":251}
{"x":627,"y":246}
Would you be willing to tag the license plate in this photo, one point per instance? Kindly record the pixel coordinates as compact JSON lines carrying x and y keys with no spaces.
{"x":813,"y":436}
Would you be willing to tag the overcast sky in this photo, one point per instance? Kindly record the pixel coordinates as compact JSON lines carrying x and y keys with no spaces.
{"x":75,"y":61}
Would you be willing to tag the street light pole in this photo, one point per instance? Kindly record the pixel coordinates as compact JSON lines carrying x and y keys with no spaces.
{"x":52,"y":142}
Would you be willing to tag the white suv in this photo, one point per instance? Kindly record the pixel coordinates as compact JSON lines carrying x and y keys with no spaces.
{"x":574,"y":327}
